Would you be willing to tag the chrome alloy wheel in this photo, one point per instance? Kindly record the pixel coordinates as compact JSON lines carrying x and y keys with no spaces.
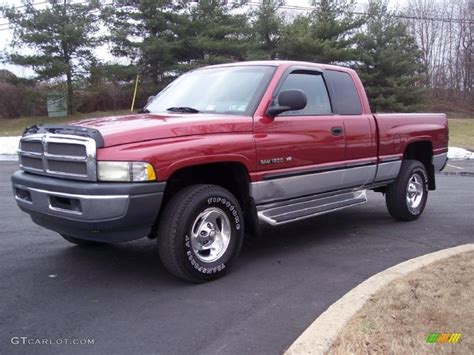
{"x":210,"y":234}
{"x":415,"y":191}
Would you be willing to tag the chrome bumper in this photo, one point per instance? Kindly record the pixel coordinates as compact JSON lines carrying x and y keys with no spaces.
{"x":78,"y":207}
{"x":107,"y":212}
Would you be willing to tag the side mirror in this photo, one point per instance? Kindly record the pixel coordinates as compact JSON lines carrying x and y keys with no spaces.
{"x":288,"y":100}
{"x":150,"y":99}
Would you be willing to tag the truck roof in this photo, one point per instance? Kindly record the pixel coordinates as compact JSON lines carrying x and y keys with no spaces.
{"x":285,"y":63}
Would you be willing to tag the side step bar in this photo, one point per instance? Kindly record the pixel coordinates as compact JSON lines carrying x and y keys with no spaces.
{"x":296,"y":210}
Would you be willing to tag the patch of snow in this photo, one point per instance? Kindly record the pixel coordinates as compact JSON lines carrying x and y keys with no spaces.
{"x":455,"y":153}
{"x":9,"y":157}
{"x":9,"y":145}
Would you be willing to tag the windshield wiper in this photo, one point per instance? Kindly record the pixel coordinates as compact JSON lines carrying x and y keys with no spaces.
{"x":183,"y":109}
{"x":143,"y":110}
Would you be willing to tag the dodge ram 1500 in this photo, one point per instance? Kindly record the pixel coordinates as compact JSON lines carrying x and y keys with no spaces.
{"x":220,"y":150}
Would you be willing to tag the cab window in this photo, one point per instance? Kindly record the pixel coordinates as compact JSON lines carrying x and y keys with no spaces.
{"x":344,"y":93}
{"x":312,"y":84}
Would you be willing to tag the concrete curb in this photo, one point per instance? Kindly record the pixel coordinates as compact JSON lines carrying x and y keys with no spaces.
{"x":319,"y":336}
{"x":453,"y":173}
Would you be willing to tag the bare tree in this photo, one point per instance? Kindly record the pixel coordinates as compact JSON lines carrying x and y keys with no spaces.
{"x":444,"y":31}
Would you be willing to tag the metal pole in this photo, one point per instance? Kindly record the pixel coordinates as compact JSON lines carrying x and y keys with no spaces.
{"x":134,"y":94}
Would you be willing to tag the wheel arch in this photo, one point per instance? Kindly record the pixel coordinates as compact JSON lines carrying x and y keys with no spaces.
{"x":422,"y":150}
{"x":231,"y":175}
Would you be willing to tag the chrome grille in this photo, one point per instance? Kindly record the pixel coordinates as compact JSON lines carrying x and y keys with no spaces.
{"x":34,"y":163}
{"x":67,"y":149}
{"x":68,"y":167}
{"x":59,"y":155}
{"x":35,"y":147}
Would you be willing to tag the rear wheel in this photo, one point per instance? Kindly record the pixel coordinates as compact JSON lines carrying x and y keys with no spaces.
{"x":81,"y":242}
{"x":200,"y":233}
{"x":406,"y":197}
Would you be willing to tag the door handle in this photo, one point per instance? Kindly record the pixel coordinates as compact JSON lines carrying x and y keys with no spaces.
{"x":337,"y":131}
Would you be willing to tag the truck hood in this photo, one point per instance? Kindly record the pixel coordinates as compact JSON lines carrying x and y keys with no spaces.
{"x":118,"y":130}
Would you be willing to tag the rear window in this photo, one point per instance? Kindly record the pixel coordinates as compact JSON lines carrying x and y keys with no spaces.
{"x":344,"y":93}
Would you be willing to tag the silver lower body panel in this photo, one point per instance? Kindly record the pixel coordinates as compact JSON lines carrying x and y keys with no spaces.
{"x":439,"y":161}
{"x":310,"y":184}
{"x":388,"y":171}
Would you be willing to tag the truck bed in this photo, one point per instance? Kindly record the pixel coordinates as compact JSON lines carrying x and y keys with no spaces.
{"x":397,"y":130}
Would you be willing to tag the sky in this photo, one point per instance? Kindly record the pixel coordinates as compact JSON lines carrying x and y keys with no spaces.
{"x":103,"y":52}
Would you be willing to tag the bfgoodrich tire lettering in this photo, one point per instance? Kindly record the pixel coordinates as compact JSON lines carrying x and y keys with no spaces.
{"x":406,"y":197}
{"x":198,"y":219}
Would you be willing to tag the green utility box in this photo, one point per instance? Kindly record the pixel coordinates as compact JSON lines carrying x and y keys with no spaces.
{"x":57,"y":104}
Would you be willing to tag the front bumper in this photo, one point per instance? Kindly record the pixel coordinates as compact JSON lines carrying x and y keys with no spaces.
{"x":106,"y":212}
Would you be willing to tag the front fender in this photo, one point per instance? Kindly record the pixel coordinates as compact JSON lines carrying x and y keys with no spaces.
{"x":171,"y":154}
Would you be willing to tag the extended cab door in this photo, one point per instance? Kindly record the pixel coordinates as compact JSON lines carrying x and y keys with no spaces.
{"x":300,"y":153}
{"x":360,"y":129}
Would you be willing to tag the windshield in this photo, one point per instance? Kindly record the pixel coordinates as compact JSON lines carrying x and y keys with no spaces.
{"x":230,"y":90}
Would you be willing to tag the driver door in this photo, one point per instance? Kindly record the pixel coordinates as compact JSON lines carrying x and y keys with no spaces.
{"x":300,"y":153}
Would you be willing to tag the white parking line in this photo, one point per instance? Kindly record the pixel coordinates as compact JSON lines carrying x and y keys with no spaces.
{"x":454,"y":166}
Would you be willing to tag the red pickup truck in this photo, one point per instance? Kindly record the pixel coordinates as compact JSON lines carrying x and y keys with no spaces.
{"x":220,"y":150}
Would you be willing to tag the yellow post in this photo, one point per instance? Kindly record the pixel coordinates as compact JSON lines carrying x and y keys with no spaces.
{"x":134,"y":94}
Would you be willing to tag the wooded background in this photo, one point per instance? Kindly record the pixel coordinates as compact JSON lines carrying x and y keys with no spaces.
{"x":416,"y":58}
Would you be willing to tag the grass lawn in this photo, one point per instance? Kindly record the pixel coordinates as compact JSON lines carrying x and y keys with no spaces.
{"x":15,"y":126}
{"x":461,"y":133}
{"x":397,"y":320}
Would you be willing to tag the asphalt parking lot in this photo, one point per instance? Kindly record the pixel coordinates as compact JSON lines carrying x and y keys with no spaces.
{"x":121,"y":296}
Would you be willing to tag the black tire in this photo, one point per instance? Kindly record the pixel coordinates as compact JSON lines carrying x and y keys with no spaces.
{"x":411,"y":172}
{"x":81,"y":242}
{"x":176,"y":243}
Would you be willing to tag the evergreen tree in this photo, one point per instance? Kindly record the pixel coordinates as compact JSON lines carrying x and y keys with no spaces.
{"x":166,"y":37}
{"x":267,"y":25}
{"x":217,"y":33}
{"x":391,"y":63}
{"x":58,"y":39}
{"x":326,"y":35}
{"x":148,"y":33}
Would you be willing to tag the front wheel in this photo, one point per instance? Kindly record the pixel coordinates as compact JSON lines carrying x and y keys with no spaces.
{"x":200,"y":233}
{"x":406,"y":197}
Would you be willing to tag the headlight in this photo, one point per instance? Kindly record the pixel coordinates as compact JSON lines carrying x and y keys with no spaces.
{"x":125,"y":171}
